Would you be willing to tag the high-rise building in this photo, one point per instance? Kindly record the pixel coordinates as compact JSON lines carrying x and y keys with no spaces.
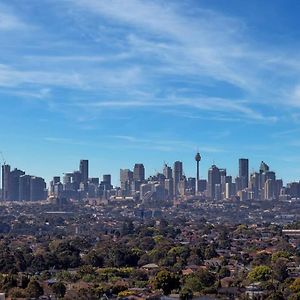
{"x":263,"y":167}
{"x":214,"y":177}
{"x":167,"y":171}
{"x":14,"y":179}
{"x":182,"y":185}
{"x":126,"y":178}
{"x":84,"y":170}
{"x":37,"y":188}
{"x":106,"y":182}
{"x":244,"y":172}
{"x":138,"y":172}
{"x":223,"y":176}
{"x":56,"y":179}
{"x":294,"y":189}
{"x":24,"y":188}
{"x":218,"y":192}
{"x":255,"y":183}
{"x":177,"y":175}
{"x":202,"y":185}
{"x":169,"y":187}
{"x":191,"y":185}
{"x":5,"y":182}
{"x":107,"y":179}
{"x":269,"y":189}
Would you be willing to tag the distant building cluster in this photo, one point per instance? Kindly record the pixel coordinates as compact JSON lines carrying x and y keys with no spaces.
{"x":261,"y":185}
{"x":17,"y":186}
{"x":172,"y":184}
{"x":77,"y":185}
{"x":169,"y":185}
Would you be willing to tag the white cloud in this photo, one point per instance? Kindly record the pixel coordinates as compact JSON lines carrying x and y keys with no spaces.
{"x":9,"y":21}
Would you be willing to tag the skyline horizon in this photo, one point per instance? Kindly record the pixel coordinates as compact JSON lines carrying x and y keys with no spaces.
{"x":138,"y":80}
{"x":192,"y":169}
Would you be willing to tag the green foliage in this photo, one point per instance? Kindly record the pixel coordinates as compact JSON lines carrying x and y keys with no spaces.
{"x":94,"y":258}
{"x":34,"y":289}
{"x":262,"y":258}
{"x":280,"y":254}
{"x":224,"y":272}
{"x":166,"y":281}
{"x":127,"y":227}
{"x":59,"y":289}
{"x":275,"y":296}
{"x":122,"y":257}
{"x":185,"y":294}
{"x":193,"y":283}
{"x":280,"y":270}
{"x":259,"y":273}
{"x":200,"y":280}
{"x":7,"y":282}
{"x":125,"y":294}
{"x":295,"y":286}
{"x":67,"y":276}
{"x":68,"y":255}
{"x":17,"y":292}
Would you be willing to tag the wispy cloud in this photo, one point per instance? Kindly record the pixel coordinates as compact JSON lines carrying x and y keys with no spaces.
{"x":167,"y":145}
{"x":9,"y":21}
{"x":199,"y":103}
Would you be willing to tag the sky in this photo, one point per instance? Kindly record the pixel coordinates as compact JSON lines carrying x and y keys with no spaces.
{"x":119,"y":82}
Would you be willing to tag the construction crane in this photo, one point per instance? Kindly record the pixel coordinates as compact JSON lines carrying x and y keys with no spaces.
{"x":2,"y":157}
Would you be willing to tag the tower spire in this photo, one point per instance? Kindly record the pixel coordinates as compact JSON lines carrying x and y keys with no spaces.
{"x":197,"y":159}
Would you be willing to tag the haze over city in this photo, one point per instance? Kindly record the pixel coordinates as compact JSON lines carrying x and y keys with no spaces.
{"x":120,"y":82}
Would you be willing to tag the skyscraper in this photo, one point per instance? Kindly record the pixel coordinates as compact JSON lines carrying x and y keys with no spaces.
{"x":24,"y":188}
{"x":37,"y":188}
{"x":138,"y":172}
{"x":177,"y":174}
{"x":126,"y":178}
{"x":263,"y":167}
{"x":214,"y":177}
{"x":84,"y":170}
{"x":14,"y":181}
{"x":5,"y":182}
{"x":244,"y":172}
{"x":167,"y":171}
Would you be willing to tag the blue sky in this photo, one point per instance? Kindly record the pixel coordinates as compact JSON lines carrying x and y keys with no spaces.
{"x":120,"y":82}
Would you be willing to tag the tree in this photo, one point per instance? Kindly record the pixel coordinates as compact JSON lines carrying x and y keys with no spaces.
{"x":295,"y":286}
{"x":280,"y":254}
{"x":166,"y":281}
{"x":34,"y":290}
{"x":210,"y":252}
{"x":127,"y":227}
{"x":224,"y":272}
{"x":280,"y":269}
{"x":38,"y":263}
{"x":59,"y":289}
{"x":199,"y":281}
{"x":68,"y":255}
{"x":8,"y":282}
{"x":186,"y":294}
{"x":93,"y":258}
{"x":193,"y":283}
{"x":275,"y":296}
{"x":17,"y":292}
{"x":260,"y":273}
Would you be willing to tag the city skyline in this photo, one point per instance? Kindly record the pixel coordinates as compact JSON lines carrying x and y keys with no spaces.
{"x":171,"y":183}
{"x":149,"y":81}
{"x":189,"y":169}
